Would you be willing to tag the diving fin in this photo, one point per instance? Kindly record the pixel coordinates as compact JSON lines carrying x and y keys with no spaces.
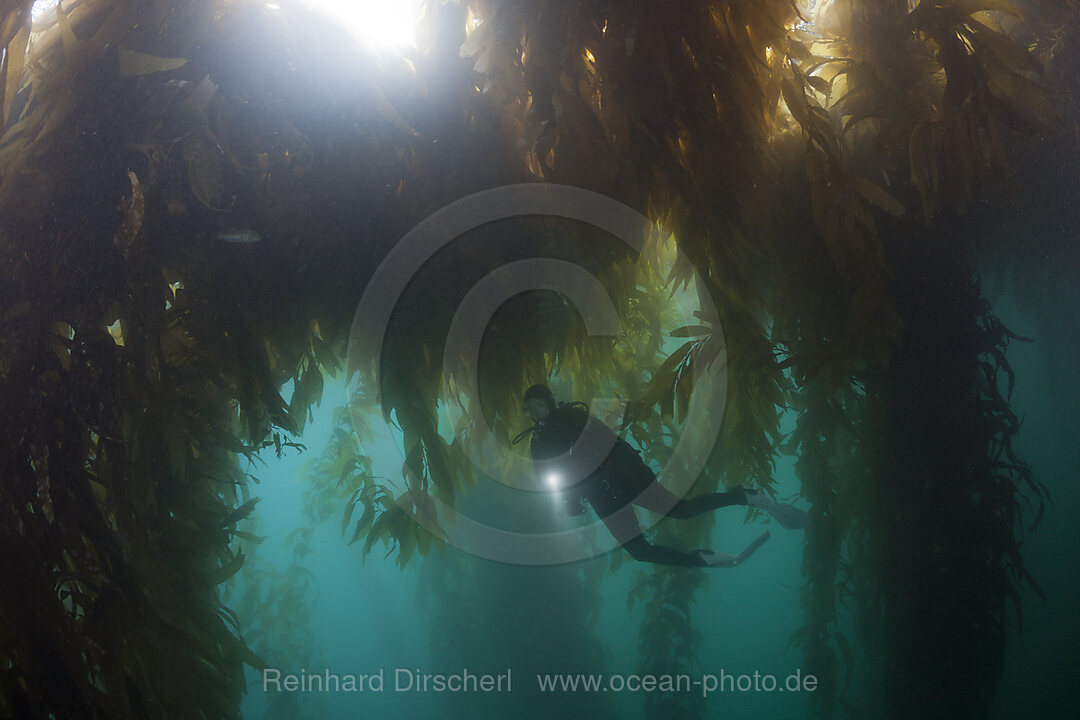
{"x":789,"y":516}
{"x":715,"y":559}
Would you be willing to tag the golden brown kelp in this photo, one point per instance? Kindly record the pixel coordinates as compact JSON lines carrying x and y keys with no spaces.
{"x":193,"y":195}
{"x":120,"y":467}
{"x":666,"y":107}
{"x":948,"y":496}
{"x":143,"y":352}
{"x":932,"y":89}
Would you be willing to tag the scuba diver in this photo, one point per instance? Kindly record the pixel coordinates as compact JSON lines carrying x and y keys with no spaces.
{"x":615,"y":476}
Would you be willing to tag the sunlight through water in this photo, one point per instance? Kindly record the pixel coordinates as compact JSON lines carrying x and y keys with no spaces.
{"x":381,"y":24}
{"x":44,"y":10}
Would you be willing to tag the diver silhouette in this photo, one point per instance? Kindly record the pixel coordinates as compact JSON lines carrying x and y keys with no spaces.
{"x":615,"y":478}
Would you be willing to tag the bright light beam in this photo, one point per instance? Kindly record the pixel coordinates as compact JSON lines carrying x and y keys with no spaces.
{"x":43,"y":10}
{"x":380,"y":24}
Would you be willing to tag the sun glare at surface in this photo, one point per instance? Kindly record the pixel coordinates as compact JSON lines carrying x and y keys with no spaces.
{"x":44,"y":10}
{"x":383,"y":24}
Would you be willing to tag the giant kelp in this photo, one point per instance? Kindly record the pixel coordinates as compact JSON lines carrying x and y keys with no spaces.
{"x":132,"y":437}
{"x":796,"y":165}
{"x":962,"y":82}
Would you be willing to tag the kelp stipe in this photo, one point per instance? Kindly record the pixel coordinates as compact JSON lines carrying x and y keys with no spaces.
{"x":796,"y":166}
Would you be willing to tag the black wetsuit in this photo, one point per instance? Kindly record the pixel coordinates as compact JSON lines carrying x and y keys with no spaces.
{"x":610,"y":483}
{"x":618,"y":478}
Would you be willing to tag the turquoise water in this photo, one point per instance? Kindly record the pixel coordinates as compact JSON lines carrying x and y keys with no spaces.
{"x":1035,"y":681}
{"x":366,"y":616}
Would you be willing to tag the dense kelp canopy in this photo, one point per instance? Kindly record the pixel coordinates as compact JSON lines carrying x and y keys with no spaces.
{"x":193,"y":196}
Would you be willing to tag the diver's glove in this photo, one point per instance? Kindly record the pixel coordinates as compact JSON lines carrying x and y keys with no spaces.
{"x":791,"y":517}
{"x":715,"y":559}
